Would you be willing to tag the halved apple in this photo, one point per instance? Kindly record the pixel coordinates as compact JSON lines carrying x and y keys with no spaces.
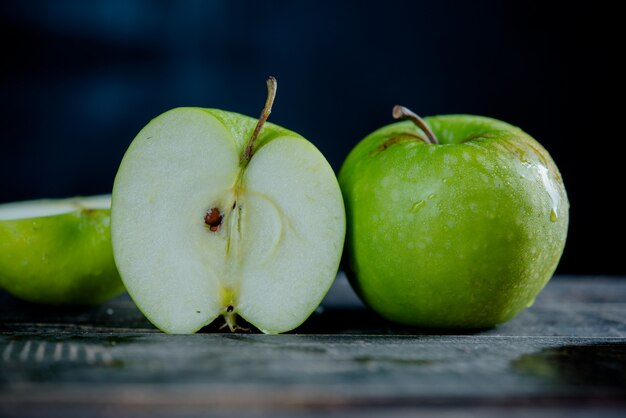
{"x":215,"y":213}
{"x":58,"y":251}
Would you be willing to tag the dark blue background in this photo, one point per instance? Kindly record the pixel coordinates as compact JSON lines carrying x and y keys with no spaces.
{"x":80,"y":78}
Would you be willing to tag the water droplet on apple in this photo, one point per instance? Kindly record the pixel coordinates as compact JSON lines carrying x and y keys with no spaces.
{"x":445,"y":180}
{"x":553,"y":215}
{"x":551,"y":188}
{"x":431,"y":196}
{"x":417,"y":206}
{"x":531,"y":303}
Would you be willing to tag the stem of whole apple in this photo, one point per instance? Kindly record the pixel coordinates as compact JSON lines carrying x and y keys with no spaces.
{"x":401,"y":112}
{"x":272,"y":86}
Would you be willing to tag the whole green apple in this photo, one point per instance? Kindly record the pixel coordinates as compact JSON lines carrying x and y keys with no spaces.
{"x":457,"y":221}
{"x":58,"y":252}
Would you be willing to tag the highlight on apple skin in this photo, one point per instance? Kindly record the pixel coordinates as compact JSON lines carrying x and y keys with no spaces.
{"x":58,"y":252}
{"x":216,"y":214}
{"x":454,"y":221}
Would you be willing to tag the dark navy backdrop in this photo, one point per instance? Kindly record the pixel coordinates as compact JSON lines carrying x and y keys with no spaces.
{"x":80,"y":78}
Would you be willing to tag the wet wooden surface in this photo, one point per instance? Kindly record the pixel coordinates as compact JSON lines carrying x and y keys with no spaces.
{"x":565,"y":356}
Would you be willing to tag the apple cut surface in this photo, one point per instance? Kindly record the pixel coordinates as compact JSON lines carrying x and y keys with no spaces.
{"x":197,"y":234}
{"x":50,"y":207}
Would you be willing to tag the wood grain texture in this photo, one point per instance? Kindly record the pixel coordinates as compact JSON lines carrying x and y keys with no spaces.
{"x":565,"y":356}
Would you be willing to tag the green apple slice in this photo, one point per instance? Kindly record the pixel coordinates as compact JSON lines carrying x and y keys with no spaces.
{"x":58,"y":251}
{"x":202,"y":229}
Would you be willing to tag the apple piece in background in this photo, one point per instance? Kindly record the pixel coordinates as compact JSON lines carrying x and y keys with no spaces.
{"x":459,"y":232}
{"x":219,"y":214}
{"x":58,"y":252}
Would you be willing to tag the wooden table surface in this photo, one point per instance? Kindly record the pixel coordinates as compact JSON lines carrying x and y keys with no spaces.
{"x":565,"y":356}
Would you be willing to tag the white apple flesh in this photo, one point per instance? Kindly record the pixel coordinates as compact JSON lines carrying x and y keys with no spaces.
{"x":199,"y":231}
{"x":30,"y":209}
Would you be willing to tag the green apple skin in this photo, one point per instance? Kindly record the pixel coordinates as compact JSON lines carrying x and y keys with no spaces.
{"x":64,"y":259}
{"x":461,"y":234}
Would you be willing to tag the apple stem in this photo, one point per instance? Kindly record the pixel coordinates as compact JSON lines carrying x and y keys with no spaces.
{"x":272,"y":85}
{"x":401,"y":112}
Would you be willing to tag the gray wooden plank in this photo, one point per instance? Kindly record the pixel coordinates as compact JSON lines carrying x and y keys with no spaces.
{"x":569,"y":306}
{"x":139,"y":410}
{"x":566,"y":355}
{"x":293,"y":374}
{"x":386,"y":367}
